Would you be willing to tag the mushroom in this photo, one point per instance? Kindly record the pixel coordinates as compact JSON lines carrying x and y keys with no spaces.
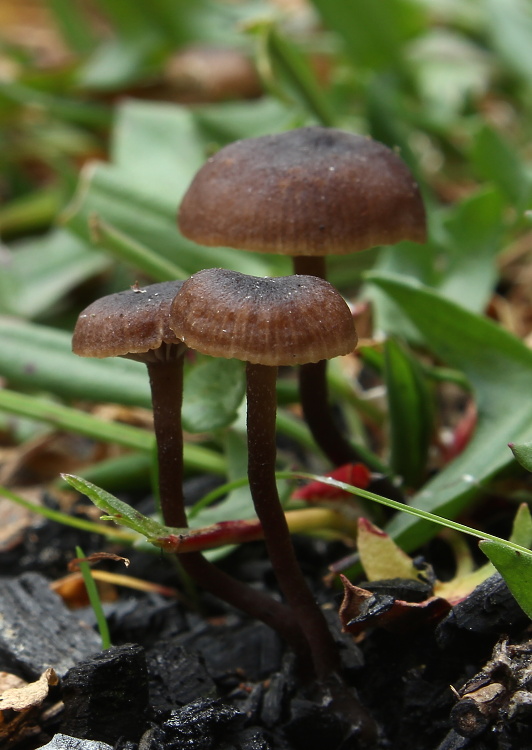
{"x":268,"y":322}
{"x":307,"y":193}
{"x":135,"y":324}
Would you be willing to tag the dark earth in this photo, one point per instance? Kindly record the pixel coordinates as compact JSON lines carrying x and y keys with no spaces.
{"x":202,"y":677}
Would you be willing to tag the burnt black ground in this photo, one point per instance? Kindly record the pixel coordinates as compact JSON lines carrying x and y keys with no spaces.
{"x":210,"y":679}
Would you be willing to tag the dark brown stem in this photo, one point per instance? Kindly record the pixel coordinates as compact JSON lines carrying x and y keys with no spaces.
{"x":313,"y":392}
{"x":261,"y":421}
{"x":166,"y":381}
{"x":310,"y":265}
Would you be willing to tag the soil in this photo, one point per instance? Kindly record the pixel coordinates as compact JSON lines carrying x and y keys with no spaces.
{"x":202,"y":677}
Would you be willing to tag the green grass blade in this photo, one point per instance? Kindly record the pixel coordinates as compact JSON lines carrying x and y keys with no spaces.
{"x":94,"y":599}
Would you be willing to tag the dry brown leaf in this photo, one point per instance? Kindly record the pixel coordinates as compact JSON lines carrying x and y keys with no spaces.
{"x":30,"y":695}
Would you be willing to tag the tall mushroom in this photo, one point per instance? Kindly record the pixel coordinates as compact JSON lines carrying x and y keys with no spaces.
{"x":135,"y":324}
{"x":307,"y":193}
{"x":268,"y":322}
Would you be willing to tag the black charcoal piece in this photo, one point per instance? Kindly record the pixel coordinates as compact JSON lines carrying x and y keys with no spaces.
{"x":205,"y":724}
{"x":177,"y":676}
{"x":106,"y":696}
{"x":405,"y":589}
{"x":37,"y":631}
{"x":488,"y":611}
{"x":314,"y":727}
{"x":64,"y":742}
{"x":253,"y":650}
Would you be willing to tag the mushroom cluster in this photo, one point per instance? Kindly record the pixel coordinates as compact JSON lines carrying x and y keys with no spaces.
{"x":306,"y":193}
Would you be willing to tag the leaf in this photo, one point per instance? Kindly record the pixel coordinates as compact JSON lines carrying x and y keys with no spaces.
{"x":196,"y":457}
{"x":116,"y":510}
{"x":515,"y":566}
{"x":497,"y":160}
{"x":373,"y":32}
{"x":523,"y":454}
{"x":380,"y":556}
{"x":213,"y":391}
{"x":510,"y":28}
{"x":522,"y":527}
{"x":411,"y":414}
{"x":42,"y":270}
{"x":39,"y":357}
{"x":499,"y":368}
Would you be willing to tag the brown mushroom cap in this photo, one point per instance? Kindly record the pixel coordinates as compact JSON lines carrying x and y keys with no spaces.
{"x":311,"y":191}
{"x":284,"y":320}
{"x":129,"y":324}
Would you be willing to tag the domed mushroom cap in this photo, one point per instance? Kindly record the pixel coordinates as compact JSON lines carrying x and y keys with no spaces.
{"x":128,"y":323}
{"x":284,"y":320}
{"x":311,"y":191}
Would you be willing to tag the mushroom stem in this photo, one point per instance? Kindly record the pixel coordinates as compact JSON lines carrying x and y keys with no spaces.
{"x":313,"y":393}
{"x":313,"y":389}
{"x":261,"y":421}
{"x":310,"y":265}
{"x":166,"y":382}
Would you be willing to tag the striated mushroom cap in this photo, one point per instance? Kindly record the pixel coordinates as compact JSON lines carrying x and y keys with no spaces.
{"x":132,"y":324}
{"x":284,"y":320}
{"x":311,"y":191}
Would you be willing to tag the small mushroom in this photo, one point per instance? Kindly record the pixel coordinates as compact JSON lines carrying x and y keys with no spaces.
{"x":135,"y":324}
{"x":308,"y":193}
{"x":268,"y":322}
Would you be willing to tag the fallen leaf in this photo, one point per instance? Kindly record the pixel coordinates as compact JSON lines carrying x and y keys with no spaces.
{"x":30,"y":695}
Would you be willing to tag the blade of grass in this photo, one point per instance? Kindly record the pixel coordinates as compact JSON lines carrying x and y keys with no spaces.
{"x":94,"y":599}
{"x":125,"y":248}
{"x":196,"y":457}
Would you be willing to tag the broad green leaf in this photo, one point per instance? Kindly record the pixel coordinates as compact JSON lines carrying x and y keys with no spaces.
{"x":499,"y":368}
{"x":449,"y":70}
{"x":496,"y":159}
{"x":149,"y":217}
{"x":459,"y":261}
{"x":374,"y":33}
{"x":158,"y":145}
{"x":473,"y":236}
{"x":523,"y":454}
{"x":522,"y":527}
{"x":510,"y":28}
{"x":515,"y":566}
{"x":213,"y":391}
{"x":39,"y":357}
{"x":42,"y":270}
{"x":410,"y":408}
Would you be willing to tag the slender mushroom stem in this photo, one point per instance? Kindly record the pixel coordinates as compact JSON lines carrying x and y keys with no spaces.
{"x":313,"y":389}
{"x":261,"y":420}
{"x":166,"y":382}
{"x":310,"y":265}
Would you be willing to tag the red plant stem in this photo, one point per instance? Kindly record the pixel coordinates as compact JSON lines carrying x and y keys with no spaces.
{"x":166,"y":382}
{"x":261,"y":421}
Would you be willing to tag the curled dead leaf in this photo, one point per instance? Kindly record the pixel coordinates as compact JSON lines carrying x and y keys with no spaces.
{"x":29,"y":695}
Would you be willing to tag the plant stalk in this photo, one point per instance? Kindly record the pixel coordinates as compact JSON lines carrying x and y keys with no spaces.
{"x":166,"y":381}
{"x":261,"y":421}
